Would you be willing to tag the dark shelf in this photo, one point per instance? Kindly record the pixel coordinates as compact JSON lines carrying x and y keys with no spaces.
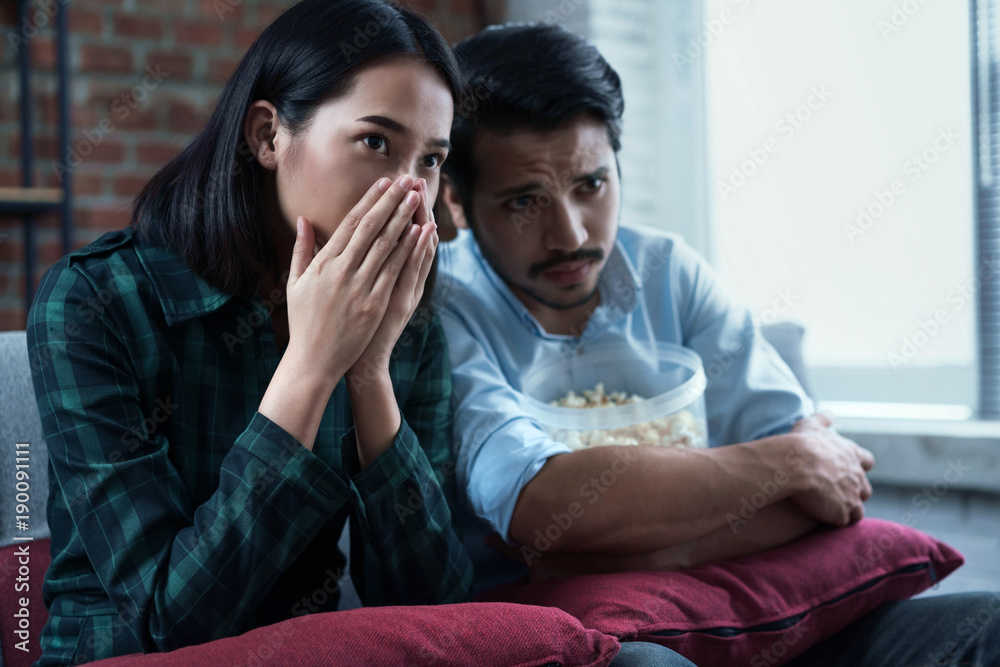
{"x":29,"y":201}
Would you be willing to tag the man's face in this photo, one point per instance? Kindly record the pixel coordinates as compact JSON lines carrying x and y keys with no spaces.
{"x":545,"y":211}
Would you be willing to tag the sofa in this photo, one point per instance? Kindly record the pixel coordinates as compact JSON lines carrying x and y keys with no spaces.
{"x":735,"y":611}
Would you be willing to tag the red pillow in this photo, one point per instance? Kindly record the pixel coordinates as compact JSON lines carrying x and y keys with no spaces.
{"x":760,"y":609}
{"x":20,"y":626}
{"x":457,"y":634}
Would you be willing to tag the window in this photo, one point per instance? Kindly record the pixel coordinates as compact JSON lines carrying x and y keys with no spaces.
{"x":841,"y":141}
{"x":820,"y":152}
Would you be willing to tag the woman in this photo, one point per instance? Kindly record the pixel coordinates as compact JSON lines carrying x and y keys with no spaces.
{"x":220,"y":385}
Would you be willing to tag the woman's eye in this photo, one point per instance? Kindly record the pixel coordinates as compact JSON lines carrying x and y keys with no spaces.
{"x":519,"y":203}
{"x":433,"y":161}
{"x":377,"y":143}
{"x":592,"y":184}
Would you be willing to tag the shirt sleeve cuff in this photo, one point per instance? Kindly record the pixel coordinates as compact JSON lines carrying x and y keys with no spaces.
{"x":388,"y":471}
{"x":307,"y":474}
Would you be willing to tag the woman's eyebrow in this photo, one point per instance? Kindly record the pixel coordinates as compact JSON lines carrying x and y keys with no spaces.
{"x":396,"y":126}
{"x":387,"y":123}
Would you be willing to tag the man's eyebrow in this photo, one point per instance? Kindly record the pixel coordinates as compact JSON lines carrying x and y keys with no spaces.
{"x":396,"y":126}
{"x":525,"y":188}
{"x":518,"y":190}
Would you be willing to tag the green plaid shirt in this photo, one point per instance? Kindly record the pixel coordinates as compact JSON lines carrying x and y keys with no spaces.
{"x":179,"y":514}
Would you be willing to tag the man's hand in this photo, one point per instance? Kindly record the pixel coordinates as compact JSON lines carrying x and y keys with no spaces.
{"x":668,"y":496}
{"x":835,"y":471}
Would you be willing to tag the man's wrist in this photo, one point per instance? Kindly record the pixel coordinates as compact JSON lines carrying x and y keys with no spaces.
{"x":789,"y":462}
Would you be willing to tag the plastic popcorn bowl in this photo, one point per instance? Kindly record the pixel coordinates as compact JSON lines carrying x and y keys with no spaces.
{"x":673,"y":386}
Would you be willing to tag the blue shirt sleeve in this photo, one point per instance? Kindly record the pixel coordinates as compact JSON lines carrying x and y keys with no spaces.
{"x":499,"y":449}
{"x":751,"y":392}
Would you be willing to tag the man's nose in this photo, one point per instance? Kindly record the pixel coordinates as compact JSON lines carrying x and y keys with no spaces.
{"x":564,"y":229}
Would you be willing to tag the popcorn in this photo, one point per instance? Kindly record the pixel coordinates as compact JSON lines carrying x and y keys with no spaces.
{"x":680,"y":429}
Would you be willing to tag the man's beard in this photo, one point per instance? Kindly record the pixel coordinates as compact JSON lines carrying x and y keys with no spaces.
{"x":596,"y":254}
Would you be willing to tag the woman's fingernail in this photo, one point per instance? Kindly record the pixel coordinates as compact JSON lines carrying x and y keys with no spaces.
{"x":406,"y":182}
{"x":412,"y":198}
{"x":383,"y":184}
{"x":300,"y":224}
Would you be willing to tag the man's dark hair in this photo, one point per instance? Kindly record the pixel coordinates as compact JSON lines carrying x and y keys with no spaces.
{"x":206,"y":204}
{"x":528,"y":76}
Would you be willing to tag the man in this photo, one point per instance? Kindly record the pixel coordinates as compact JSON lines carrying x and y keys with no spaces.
{"x":542,"y":269}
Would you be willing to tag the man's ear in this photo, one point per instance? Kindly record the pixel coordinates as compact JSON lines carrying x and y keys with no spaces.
{"x":454,"y":203}
{"x":259,"y":130}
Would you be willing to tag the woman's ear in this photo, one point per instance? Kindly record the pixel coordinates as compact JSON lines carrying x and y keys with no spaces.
{"x":259,"y":130}
{"x":454,"y":203}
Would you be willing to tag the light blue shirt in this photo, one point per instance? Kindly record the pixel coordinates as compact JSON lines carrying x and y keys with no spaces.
{"x":653,"y":286}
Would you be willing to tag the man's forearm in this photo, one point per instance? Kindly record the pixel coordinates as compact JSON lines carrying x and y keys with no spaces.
{"x":772,"y":527}
{"x":626,"y":500}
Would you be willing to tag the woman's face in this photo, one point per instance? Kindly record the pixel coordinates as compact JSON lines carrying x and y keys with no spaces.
{"x":395,"y":120}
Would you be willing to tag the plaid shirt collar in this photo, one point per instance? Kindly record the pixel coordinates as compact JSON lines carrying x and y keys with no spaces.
{"x":182,"y":294}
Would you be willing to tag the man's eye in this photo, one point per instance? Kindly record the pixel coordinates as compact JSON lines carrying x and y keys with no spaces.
{"x":377,"y":143}
{"x":519,"y":203}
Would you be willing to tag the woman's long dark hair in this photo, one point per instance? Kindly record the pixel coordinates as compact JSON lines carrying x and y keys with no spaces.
{"x":207,"y":203}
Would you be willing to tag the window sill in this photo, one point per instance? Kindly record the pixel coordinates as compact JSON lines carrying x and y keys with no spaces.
{"x":920,"y":452}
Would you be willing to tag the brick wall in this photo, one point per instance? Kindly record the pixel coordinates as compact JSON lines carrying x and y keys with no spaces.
{"x":145,"y":75}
